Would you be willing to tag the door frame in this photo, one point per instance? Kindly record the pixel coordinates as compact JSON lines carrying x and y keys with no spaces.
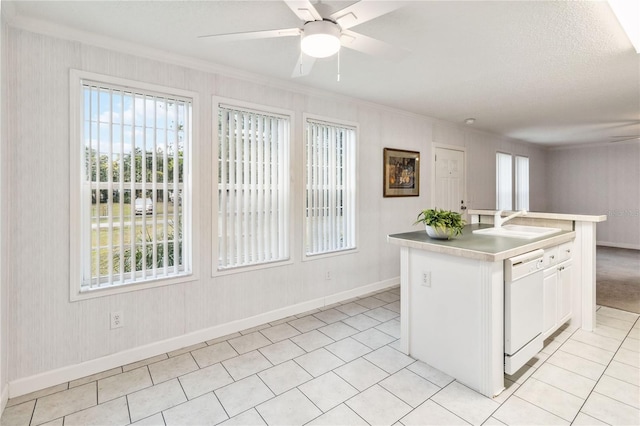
{"x":434,"y":146}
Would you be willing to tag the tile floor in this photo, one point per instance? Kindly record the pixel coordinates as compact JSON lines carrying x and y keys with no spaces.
{"x":341,"y":366}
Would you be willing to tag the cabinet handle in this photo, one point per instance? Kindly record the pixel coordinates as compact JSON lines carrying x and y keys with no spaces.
{"x":552,"y":257}
{"x":568,"y":250}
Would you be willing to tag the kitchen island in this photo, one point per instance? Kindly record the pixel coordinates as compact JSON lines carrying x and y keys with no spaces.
{"x":452,"y":298}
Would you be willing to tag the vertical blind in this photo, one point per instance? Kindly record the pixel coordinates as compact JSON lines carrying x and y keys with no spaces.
{"x":522,"y":183}
{"x":504,"y":179}
{"x":253,"y":187}
{"x":135,"y":153}
{"x":330,"y":188}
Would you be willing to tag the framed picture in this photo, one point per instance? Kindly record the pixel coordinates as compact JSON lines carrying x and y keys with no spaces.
{"x":401,"y":173}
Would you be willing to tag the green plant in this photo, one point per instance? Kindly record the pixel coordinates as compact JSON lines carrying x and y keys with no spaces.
{"x":444,"y":220}
{"x":135,"y":260}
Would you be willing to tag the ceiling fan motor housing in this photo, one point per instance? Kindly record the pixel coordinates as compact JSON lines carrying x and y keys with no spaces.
{"x":320,"y":39}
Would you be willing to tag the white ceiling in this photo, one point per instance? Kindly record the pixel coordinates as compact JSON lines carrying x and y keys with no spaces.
{"x":548,"y":72}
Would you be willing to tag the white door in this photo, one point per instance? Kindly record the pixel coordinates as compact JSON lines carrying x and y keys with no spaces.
{"x":450,"y":180}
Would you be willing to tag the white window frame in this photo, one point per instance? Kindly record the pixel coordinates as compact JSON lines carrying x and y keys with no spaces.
{"x":512,"y":178}
{"x":78,"y":238}
{"x":504,"y":181}
{"x":339,"y":123}
{"x":521,"y":176}
{"x":288,"y":201}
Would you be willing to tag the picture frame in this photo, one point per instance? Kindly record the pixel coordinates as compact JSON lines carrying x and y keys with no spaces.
{"x":401,"y":173}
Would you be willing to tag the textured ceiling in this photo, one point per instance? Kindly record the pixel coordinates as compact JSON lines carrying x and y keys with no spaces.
{"x":548,"y":72}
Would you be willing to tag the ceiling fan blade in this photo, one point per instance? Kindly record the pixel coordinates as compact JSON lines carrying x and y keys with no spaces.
{"x":364,"y":11}
{"x":371,"y":46}
{"x":253,"y":35}
{"x":303,"y":65}
{"x":632,"y":138}
{"x":304,"y":10}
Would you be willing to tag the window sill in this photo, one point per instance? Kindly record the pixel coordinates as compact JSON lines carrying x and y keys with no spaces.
{"x":310,"y":257}
{"x":249,"y":268}
{"x":126,"y":288}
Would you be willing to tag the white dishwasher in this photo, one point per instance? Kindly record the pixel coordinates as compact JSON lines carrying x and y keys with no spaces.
{"x":523,"y":278}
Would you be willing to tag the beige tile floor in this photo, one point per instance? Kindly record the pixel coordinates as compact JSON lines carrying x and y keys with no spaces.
{"x":341,"y":366}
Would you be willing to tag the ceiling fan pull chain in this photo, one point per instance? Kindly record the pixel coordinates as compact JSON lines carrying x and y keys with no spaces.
{"x":338,"y":78}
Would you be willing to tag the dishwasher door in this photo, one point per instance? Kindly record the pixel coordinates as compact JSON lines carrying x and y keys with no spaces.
{"x":522,"y":309}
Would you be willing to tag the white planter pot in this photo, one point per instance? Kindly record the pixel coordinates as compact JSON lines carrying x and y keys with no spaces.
{"x":439,"y":233}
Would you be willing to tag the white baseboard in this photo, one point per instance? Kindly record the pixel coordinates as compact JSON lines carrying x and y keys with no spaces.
{"x":65,"y":374}
{"x":380,"y":285}
{"x":618,"y":245}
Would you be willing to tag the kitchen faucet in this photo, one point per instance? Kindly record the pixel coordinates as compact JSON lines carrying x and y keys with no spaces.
{"x":498,"y":220}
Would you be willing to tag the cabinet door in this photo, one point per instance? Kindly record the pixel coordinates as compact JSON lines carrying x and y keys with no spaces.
{"x":564,"y":292}
{"x":549,"y":302}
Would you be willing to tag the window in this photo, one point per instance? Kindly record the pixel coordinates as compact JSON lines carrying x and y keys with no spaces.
{"x":505,"y":178}
{"x":253,"y":187}
{"x":522,"y":183}
{"x":131,"y":191}
{"x":330,"y":179}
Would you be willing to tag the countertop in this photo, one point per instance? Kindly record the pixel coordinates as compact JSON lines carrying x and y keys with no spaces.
{"x":541,"y":215}
{"x":477,"y":246}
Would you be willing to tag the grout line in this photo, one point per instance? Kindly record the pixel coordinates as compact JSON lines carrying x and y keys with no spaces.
{"x":445,"y":408}
{"x":513,"y":394}
{"x":537,"y":406}
{"x":33,"y":412}
{"x":387,"y":375}
{"x":126,"y":398}
{"x":600,"y":378}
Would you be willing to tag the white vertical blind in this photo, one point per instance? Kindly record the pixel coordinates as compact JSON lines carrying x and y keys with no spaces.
{"x":522,"y":183}
{"x":504,"y":181}
{"x":253,"y":187}
{"x":135,"y":146}
{"x":330,"y":188}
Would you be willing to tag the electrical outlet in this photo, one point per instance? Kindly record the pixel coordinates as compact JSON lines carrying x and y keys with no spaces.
{"x":328,"y":276}
{"x":426,"y":279}
{"x":117,"y":320}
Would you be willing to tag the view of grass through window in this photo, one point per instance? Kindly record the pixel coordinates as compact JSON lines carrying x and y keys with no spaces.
{"x":134,"y":160}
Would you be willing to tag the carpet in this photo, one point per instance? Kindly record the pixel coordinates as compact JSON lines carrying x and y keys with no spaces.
{"x":618,"y":278}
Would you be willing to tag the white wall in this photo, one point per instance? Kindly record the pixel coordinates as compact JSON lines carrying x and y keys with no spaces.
{"x":47,"y":332}
{"x":601,"y":179}
{"x":481,"y":148}
{"x":3,"y":281}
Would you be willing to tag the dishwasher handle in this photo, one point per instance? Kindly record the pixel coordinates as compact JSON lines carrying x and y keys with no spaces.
{"x":525,"y":258}
{"x":525,"y":264}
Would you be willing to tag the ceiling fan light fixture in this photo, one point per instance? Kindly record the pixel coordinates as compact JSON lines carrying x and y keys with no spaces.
{"x":320,"y":39}
{"x":627,"y":13}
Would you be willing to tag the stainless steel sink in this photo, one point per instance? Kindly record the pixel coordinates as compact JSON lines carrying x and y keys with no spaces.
{"x":518,"y":231}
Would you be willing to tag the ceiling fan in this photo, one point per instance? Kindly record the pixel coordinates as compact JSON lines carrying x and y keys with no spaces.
{"x":623,"y":138}
{"x":322,"y":33}
{"x":633,"y":135}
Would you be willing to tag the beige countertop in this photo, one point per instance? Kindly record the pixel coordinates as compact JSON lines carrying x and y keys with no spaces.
{"x":476,"y":246}
{"x":541,"y":215}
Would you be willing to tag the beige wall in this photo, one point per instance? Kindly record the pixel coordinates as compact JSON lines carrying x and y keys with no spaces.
{"x":48,"y":332}
{"x":602,"y":179}
{"x":481,"y":148}
{"x":3,"y":215}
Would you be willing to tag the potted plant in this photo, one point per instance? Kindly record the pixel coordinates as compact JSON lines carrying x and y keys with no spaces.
{"x":441,"y":224}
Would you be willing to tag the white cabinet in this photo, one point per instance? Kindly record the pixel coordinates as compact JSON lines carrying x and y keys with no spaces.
{"x":556,"y":293}
{"x":564,"y":292}
{"x":549,"y":302}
